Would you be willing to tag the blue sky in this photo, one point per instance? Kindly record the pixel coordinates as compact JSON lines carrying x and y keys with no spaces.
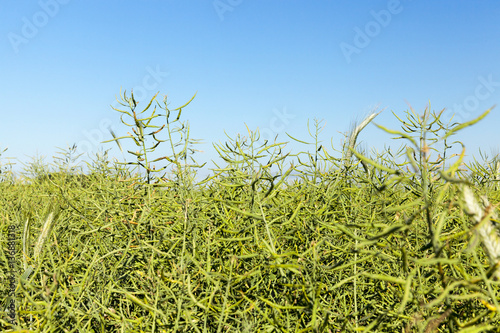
{"x":271,"y":65}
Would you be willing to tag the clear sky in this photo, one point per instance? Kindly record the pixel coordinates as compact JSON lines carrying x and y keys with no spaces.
{"x":268,"y":64}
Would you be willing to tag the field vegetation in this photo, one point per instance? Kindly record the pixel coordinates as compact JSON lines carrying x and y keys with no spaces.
{"x":271,"y":241}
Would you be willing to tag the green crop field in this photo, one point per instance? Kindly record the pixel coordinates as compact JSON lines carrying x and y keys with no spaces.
{"x":270,"y":241}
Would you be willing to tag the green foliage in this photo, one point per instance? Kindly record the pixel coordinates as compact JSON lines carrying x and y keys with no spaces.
{"x":384,"y":242}
{"x":140,"y":123}
{"x":6,"y":174}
